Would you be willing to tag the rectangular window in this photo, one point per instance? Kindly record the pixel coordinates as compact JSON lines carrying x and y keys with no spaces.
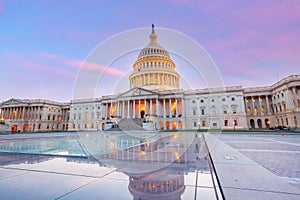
{"x":234,"y":110}
{"x":214,"y":124}
{"x":195,"y":124}
{"x":213,"y":110}
{"x":202,"y":111}
{"x":203,"y":123}
{"x":225,"y":110}
{"x":194,"y":112}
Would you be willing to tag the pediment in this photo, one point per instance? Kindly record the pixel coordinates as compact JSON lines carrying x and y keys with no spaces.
{"x":13,"y":102}
{"x":137,"y":92}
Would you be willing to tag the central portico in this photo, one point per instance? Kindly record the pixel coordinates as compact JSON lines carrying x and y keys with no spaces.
{"x":154,"y":107}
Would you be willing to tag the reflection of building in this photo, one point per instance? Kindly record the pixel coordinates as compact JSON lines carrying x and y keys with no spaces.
{"x":157,"y":185}
{"x":155,"y":101}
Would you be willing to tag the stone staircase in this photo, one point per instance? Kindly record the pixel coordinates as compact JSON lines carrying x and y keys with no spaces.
{"x":131,"y":124}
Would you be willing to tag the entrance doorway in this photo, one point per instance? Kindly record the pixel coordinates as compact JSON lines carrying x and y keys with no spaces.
{"x":14,"y":128}
{"x":167,"y":125}
{"x":267,"y":123}
{"x":142,"y":113}
{"x":174,"y":125}
{"x":259,"y":123}
{"x":252,"y":125}
{"x":25,"y":127}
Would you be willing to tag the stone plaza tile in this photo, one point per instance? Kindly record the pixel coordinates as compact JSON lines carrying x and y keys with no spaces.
{"x":39,"y":185}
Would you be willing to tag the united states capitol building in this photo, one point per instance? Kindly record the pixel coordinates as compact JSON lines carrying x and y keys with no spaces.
{"x":155,"y":101}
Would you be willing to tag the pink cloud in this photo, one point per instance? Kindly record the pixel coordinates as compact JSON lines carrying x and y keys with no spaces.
{"x":82,"y":63}
{"x":95,"y":67}
{"x":29,"y":65}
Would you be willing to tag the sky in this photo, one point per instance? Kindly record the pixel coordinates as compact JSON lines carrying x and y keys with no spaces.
{"x":44,"y":43}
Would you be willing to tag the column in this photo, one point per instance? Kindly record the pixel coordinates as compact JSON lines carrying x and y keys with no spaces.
{"x":163,"y":79}
{"x":128,"y":103}
{"x":148,"y":78}
{"x":295,"y":97}
{"x":145,"y":104}
{"x":259,"y":100}
{"x":5,"y":113}
{"x":183,"y":113}
{"x":157,"y":107}
{"x":170,"y":108}
{"x":8,"y":113}
{"x":118,"y":108}
{"x":106,"y":110}
{"x":139,"y":109}
{"x":23,"y":112}
{"x":164,"y":108}
{"x":252,"y":104}
{"x":144,"y":79}
{"x":133,"y":109}
{"x":150,"y":107}
{"x":268,"y":107}
{"x":158,"y":79}
{"x":123,"y":109}
{"x":17,"y":112}
{"x":176,"y":103}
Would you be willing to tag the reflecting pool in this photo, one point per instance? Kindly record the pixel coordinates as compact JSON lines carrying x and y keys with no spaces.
{"x":107,"y":166}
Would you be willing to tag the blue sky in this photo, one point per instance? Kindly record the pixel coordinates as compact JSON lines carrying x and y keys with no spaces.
{"x":43,"y":43}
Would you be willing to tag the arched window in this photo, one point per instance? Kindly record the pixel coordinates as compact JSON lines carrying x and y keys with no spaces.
{"x":262,"y":109}
{"x":255,"y":111}
{"x":248,"y":111}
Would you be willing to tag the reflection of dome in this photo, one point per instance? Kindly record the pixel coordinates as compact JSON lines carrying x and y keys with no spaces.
{"x":157,"y":185}
{"x":154,"y":69}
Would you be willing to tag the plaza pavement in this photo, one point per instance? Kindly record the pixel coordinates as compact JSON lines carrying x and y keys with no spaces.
{"x":257,"y":166}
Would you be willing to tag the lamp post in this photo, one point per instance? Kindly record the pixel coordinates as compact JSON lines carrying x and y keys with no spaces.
{"x":234,"y":125}
{"x":268,"y":123}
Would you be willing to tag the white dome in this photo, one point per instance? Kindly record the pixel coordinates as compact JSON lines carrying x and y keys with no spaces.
{"x":154,"y":68}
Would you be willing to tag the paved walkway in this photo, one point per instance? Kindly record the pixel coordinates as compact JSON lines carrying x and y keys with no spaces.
{"x":257,"y":166}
